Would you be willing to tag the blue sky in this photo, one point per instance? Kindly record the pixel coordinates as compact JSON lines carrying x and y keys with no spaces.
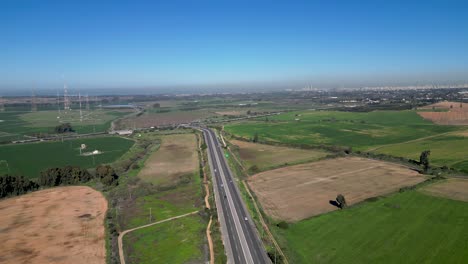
{"x":100,"y":44}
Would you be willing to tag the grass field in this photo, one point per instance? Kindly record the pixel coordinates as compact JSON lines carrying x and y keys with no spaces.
{"x":297,"y":192}
{"x":177,"y":241}
{"x":408,"y":227}
{"x":17,"y":124}
{"x":30,"y":159}
{"x":358,"y":130}
{"x":172,"y":172}
{"x":164,"y":204}
{"x":176,"y":160}
{"x":267,"y":156}
{"x":448,"y":150}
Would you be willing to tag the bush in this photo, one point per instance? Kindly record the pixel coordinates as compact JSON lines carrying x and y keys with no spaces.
{"x":282,"y":225}
{"x":63,"y":128}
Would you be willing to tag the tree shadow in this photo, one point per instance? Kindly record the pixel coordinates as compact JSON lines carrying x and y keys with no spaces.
{"x":334,"y":203}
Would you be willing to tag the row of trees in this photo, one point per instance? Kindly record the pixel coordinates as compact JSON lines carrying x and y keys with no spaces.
{"x":68,"y":175}
{"x":16,"y":185}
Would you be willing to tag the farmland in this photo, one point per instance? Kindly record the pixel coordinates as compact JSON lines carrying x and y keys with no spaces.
{"x":59,"y":225}
{"x":266,"y":156}
{"x":14,"y":125}
{"x":177,"y":241}
{"x":150,"y":119}
{"x":43,"y":155}
{"x":360,"y":131}
{"x":408,"y":227}
{"x":172,"y":173}
{"x":446,"y":150}
{"x":446,"y":113}
{"x":301,"y":191}
{"x":175,"y":160}
{"x":452,"y":188}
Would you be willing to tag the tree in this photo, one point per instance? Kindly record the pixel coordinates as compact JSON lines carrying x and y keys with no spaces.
{"x":340,"y":199}
{"x":255,"y":138}
{"x":424,"y":159}
{"x":63,"y":128}
{"x":16,"y":185}
{"x":107,"y":175}
{"x":67,"y":175}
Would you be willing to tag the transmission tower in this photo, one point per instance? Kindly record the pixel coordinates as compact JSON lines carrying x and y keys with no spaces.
{"x":33,"y":102}
{"x":58,"y":105}
{"x":81,"y":113}
{"x":87,"y":102}
{"x":66,"y":99}
{"x":2,"y":105}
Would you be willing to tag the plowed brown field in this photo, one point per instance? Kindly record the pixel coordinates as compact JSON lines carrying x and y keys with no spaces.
{"x":456,"y":189}
{"x":58,"y":225}
{"x":457,"y":113}
{"x":298,"y":192}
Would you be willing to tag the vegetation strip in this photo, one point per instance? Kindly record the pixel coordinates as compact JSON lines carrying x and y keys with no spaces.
{"x":207,"y":203}
{"x":121,"y":235}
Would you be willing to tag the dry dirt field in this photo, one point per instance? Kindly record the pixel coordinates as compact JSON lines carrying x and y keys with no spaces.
{"x":455,"y":114}
{"x":161,"y":119}
{"x":176,"y":158}
{"x":301,"y":191}
{"x":231,"y":113}
{"x":265,"y":156}
{"x":456,"y":189}
{"x":58,"y":225}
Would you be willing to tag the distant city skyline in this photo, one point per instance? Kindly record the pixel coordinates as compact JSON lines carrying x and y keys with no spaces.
{"x":157,"y":46}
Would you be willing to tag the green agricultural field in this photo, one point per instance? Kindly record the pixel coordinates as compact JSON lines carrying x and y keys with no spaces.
{"x":408,"y":227}
{"x":446,"y":150}
{"x":30,"y":159}
{"x":13,"y":125}
{"x":358,"y":130}
{"x":177,"y":241}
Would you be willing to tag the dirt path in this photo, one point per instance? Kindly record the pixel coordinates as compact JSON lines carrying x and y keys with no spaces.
{"x":410,"y":141}
{"x":121,"y":235}
{"x":207,"y":202}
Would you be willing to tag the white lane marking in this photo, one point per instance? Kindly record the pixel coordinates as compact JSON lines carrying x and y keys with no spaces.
{"x":248,"y":257}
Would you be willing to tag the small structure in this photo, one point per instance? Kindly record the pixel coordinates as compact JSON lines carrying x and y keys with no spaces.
{"x":126,"y":132}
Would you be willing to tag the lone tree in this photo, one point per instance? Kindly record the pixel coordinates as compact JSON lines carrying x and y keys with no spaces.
{"x":340,"y":199}
{"x":255,"y":138}
{"x":424,"y":159}
{"x":63,"y":128}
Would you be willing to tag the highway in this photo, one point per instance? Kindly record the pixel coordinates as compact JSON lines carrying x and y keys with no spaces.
{"x":240,"y":236}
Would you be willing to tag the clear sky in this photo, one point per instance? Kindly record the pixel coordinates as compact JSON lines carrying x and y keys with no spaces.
{"x":99,"y":44}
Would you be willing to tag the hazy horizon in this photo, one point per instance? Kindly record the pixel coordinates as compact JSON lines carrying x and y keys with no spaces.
{"x":216,"y":45}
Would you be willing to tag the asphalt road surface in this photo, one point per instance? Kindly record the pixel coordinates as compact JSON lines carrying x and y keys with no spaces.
{"x":240,"y":236}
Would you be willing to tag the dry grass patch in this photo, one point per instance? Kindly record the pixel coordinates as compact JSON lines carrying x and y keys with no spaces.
{"x":175,"y":160}
{"x":267,"y":156}
{"x":231,"y":113}
{"x":298,"y":192}
{"x":58,"y":225}
{"x":456,"y":189}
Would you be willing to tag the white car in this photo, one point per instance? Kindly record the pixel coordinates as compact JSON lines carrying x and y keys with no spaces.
{"x":246,"y":219}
